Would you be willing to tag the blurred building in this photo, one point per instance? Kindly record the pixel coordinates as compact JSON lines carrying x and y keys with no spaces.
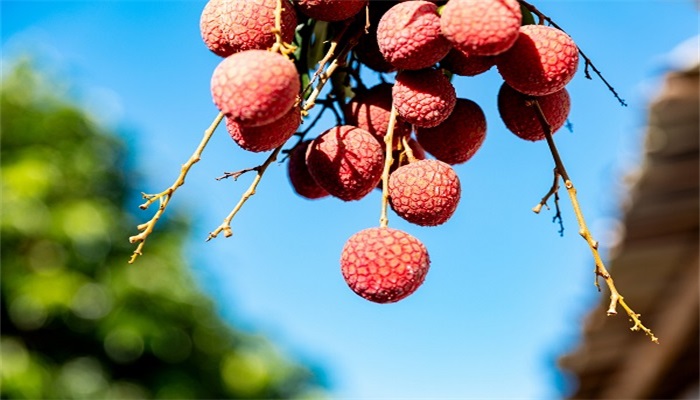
{"x":655,"y":266}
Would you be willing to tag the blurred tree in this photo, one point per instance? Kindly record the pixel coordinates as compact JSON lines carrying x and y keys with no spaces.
{"x":77,"y":321}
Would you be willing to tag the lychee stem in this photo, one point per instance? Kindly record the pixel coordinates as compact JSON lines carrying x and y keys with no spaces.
{"x":389,"y":159}
{"x":280,"y":46}
{"x":600,"y":270}
{"x":408,"y":150}
{"x":165,"y":196}
{"x":260,"y":169}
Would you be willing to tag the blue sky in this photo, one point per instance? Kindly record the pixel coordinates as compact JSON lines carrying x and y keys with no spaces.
{"x":505,"y":295}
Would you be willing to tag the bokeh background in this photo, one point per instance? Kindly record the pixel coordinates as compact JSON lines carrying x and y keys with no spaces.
{"x":105,"y":99}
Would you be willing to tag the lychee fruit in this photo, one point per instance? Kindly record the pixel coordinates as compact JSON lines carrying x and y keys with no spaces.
{"x":330,"y":10}
{"x":409,"y":35}
{"x":521,"y":117}
{"x":542,"y":61}
{"x":371,"y":109}
{"x":463,"y":64}
{"x":457,"y":139}
{"x":384,"y":265}
{"x":481,"y":27}
{"x":368,"y":53}
{"x":231,"y":26}
{"x":300,"y":178}
{"x":346,"y":161}
{"x":424,"y":98}
{"x":255,"y":87}
{"x":265,"y":137}
{"x":425,"y":192}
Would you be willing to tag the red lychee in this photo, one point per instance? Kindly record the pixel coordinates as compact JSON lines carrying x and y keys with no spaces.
{"x":370,"y":110}
{"x":520,"y":115}
{"x":346,"y":161}
{"x":265,"y":137}
{"x":384,"y":265}
{"x":230,"y":26}
{"x":481,"y":27}
{"x":255,"y":87}
{"x":424,"y":98}
{"x":425,"y":192}
{"x":330,"y":10}
{"x":409,"y":35}
{"x":368,"y":53}
{"x":300,"y":178}
{"x":457,"y":139}
{"x":467,"y":65}
{"x":542,"y":61}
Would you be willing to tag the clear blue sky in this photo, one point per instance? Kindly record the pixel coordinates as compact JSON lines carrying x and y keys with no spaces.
{"x":505,"y":295}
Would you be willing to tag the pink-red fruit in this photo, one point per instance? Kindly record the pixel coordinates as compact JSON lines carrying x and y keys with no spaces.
{"x":255,"y":87}
{"x":230,"y":26}
{"x":481,"y":27}
{"x":265,"y":137}
{"x":370,"y":110}
{"x":330,"y":10}
{"x":519,"y":114}
{"x":300,"y":178}
{"x":346,"y":161}
{"x":542,"y":61}
{"x":424,"y":98}
{"x":457,"y":139}
{"x":467,"y":65}
{"x":409,"y":35}
{"x":425,"y":192}
{"x":384,"y":265}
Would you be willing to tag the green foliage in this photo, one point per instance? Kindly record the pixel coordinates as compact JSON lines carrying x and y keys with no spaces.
{"x":77,"y":320}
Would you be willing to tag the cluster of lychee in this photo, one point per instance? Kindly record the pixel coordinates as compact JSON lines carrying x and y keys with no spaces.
{"x":424,"y":43}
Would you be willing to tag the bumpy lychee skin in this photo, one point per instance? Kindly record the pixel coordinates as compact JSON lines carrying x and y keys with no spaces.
{"x":425,"y":192}
{"x":346,"y":161}
{"x":330,"y":10}
{"x":424,"y":98}
{"x":370,"y":110}
{"x":230,"y":26}
{"x":456,"y":140}
{"x":521,"y":117}
{"x":542,"y":61}
{"x":255,"y":87}
{"x":481,"y":27}
{"x":300,"y":178}
{"x":400,"y":157}
{"x":265,"y":137}
{"x":384,"y":265}
{"x":409,"y":35}
{"x":467,"y":65}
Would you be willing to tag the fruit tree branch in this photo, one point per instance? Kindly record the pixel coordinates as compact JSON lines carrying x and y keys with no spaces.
{"x":600,"y":270}
{"x":165,"y":196}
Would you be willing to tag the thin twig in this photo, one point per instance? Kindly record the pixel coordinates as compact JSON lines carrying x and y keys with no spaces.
{"x":226,"y":225}
{"x":327,"y":57}
{"x":165,"y":196}
{"x":600,"y":270}
{"x":324,"y":76}
{"x":553,"y":191}
{"x":587,"y":61}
